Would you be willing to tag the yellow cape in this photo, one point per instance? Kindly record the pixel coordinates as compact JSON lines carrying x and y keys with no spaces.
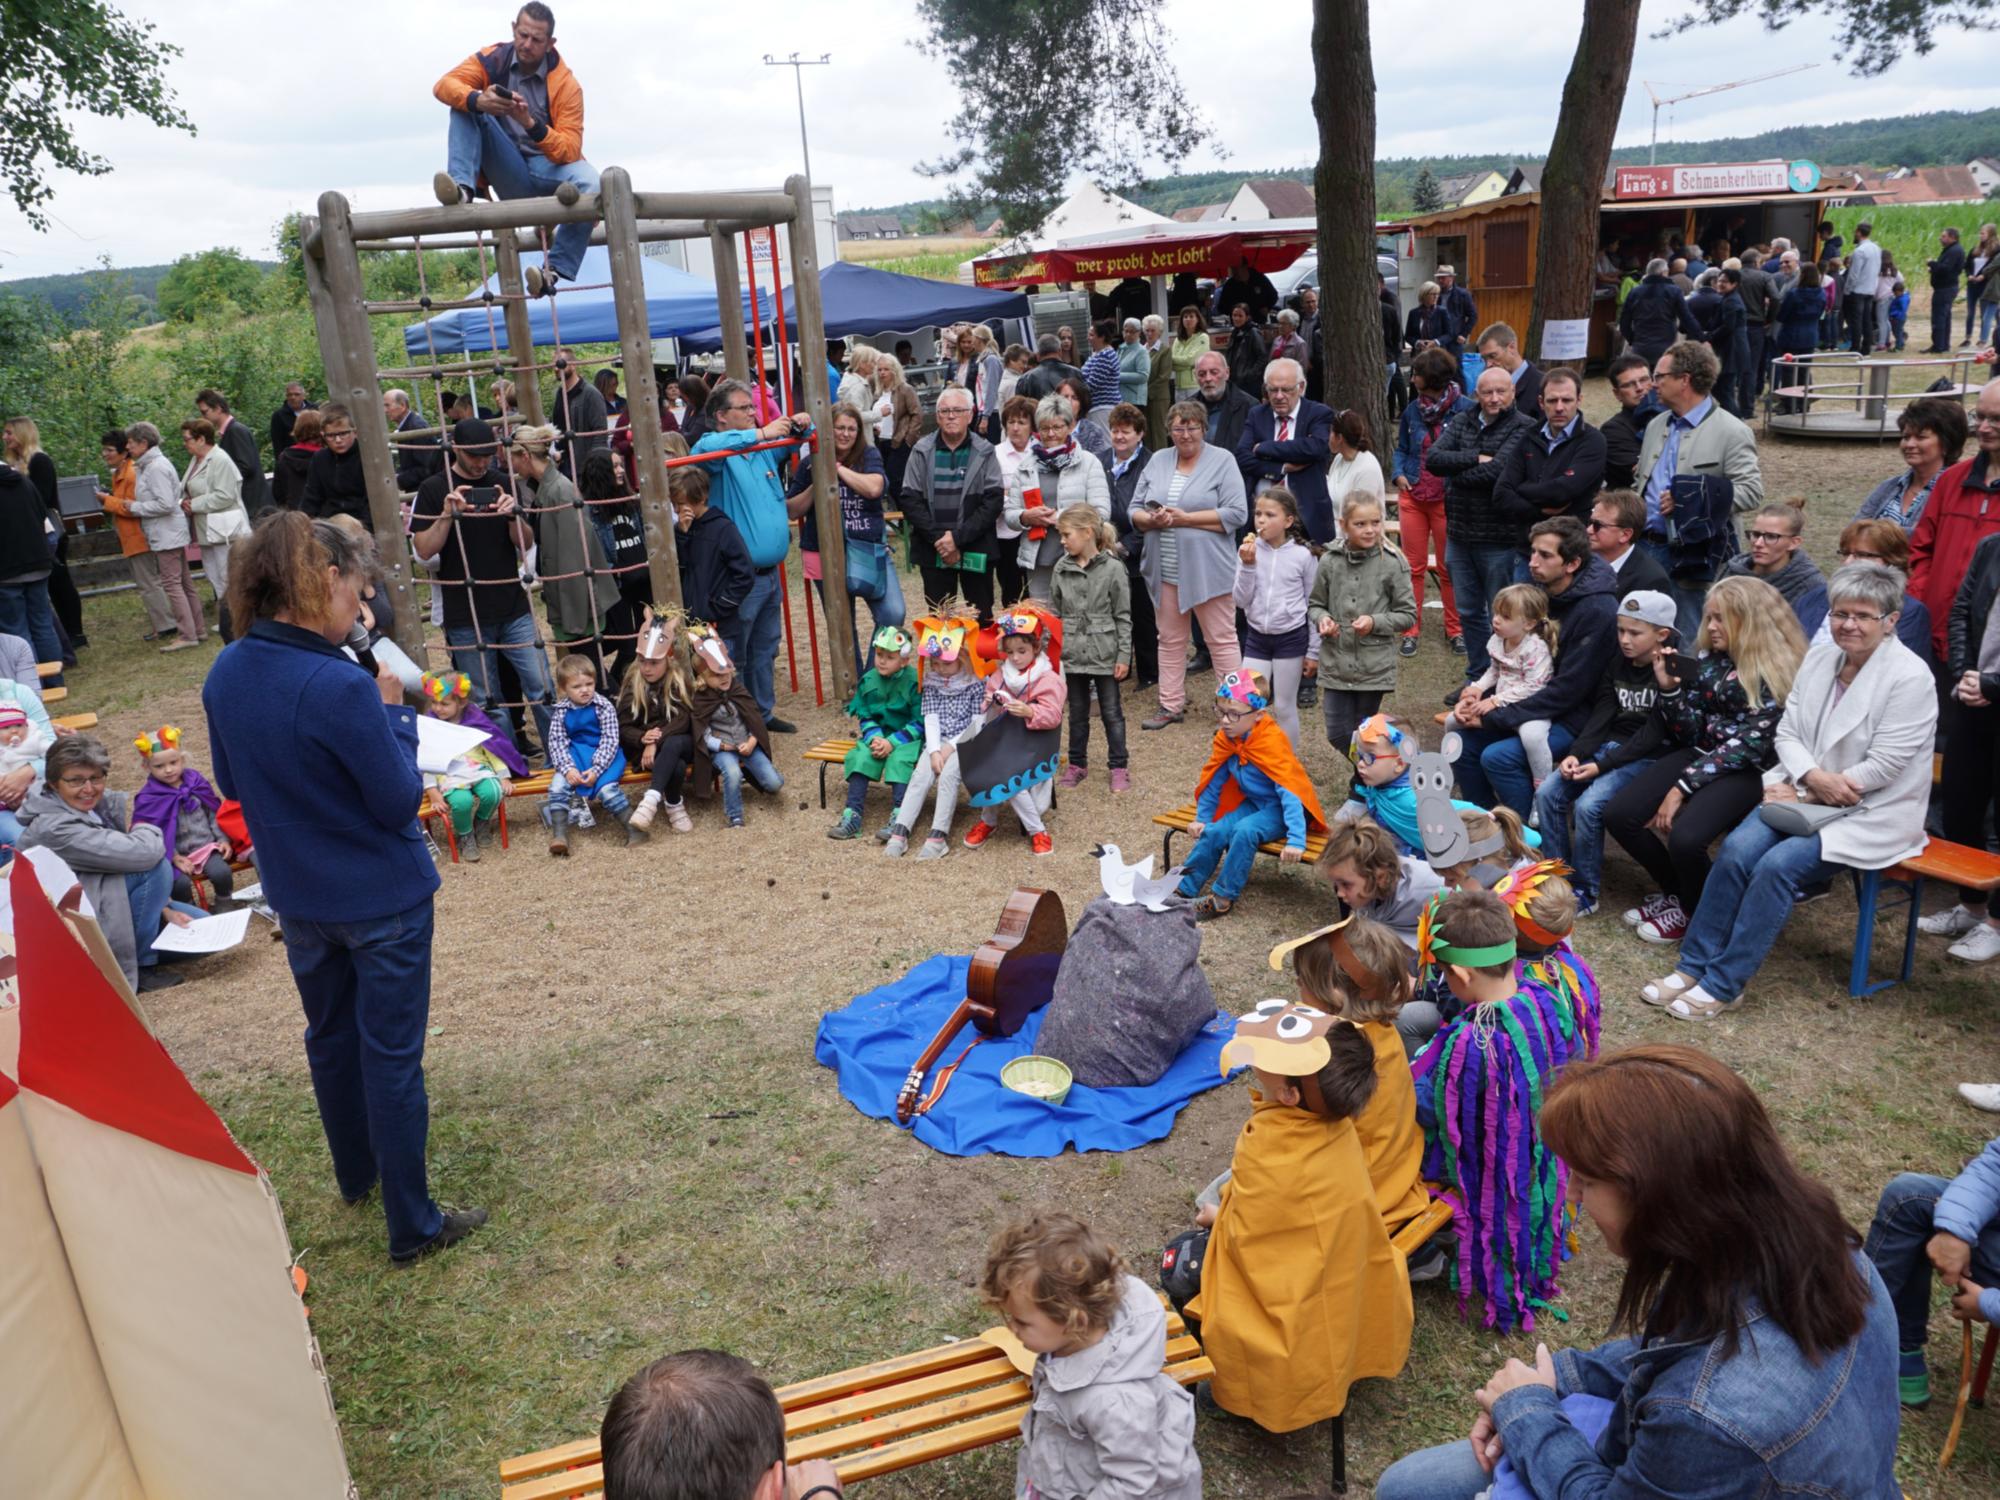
{"x":1390,"y":1136}
{"x":1301,"y":1294}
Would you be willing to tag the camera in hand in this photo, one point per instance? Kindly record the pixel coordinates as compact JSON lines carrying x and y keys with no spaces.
{"x":482,"y":497}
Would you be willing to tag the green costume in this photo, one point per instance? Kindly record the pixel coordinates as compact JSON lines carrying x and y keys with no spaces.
{"x":893,"y":708}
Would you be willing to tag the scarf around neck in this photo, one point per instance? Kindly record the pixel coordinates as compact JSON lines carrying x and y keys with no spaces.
{"x":1433,"y":410}
{"x":1054,"y":458}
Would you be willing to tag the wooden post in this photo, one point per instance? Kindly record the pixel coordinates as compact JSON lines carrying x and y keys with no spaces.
{"x":642,"y":395}
{"x":729,"y":302}
{"x":818,"y":404}
{"x":336,"y":282}
{"x":520,"y":336}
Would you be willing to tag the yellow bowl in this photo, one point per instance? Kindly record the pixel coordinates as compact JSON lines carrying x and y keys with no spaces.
{"x":1038,"y":1077}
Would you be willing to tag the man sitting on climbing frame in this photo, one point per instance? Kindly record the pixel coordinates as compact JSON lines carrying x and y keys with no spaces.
{"x":517,"y":128}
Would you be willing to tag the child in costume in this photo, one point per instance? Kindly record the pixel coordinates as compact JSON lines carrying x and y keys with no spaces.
{"x":1500,"y":842}
{"x":653,"y":727}
{"x":1251,"y":791}
{"x":1480,"y":1083}
{"x":1370,"y":875}
{"x":1029,"y":687}
{"x":888,"y":704}
{"x":457,"y":707}
{"x":1103,"y":1415}
{"x":468,"y":791}
{"x":1381,"y":750}
{"x":1543,"y":904}
{"x":585,"y":760}
{"x":178,"y":801}
{"x":1093,"y":596}
{"x":1274,"y":576}
{"x":1301,"y":1291}
{"x":951,"y":701}
{"x":730,"y":737}
{"x":1362,"y":602}
{"x":1521,"y":665}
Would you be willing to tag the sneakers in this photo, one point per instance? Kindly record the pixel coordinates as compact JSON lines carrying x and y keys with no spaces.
{"x":1408,"y":648}
{"x":677,"y":817}
{"x":1072,"y":776}
{"x":539,"y":281}
{"x":1984,"y":1096}
{"x":1430,"y":1262}
{"x":849,"y":826}
{"x":158,"y":977}
{"x":1121,"y":779}
{"x":888,"y":830}
{"x":1978,"y":946}
{"x":450,"y":193}
{"x":897,"y":841}
{"x":1913,"y":1380}
{"x":1308,"y":696}
{"x":780,"y":726}
{"x":487,"y":831}
{"x":468,"y":849}
{"x":978,"y":833}
{"x":1585,"y":907}
{"x":458,"y":1223}
{"x":1952,"y":922}
{"x":1458,"y":645}
{"x":647,"y":810}
{"x":1669,"y":924}
{"x":1634,"y":915}
{"x":1161,"y":720}
{"x":1042,"y":844}
{"x":936,"y":846}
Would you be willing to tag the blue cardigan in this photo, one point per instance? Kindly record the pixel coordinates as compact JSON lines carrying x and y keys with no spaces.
{"x":326,"y":774}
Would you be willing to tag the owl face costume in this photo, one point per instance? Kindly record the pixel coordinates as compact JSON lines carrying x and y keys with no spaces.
{"x":1288,"y":1040}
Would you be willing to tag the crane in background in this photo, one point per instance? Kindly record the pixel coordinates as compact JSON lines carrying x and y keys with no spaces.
{"x":1714,"y":88}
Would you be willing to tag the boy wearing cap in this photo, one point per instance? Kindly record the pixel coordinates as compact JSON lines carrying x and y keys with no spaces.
{"x":1619,"y":739}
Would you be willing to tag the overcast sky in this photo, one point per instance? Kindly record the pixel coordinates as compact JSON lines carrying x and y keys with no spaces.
{"x":292,"y":101}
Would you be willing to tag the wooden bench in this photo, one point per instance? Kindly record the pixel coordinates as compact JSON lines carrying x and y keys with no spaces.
{"x":76,"y":722}
{"x":1956,"y":864}
{"x":828,"y":753}
{"x":869,"y":1421}
{"x":536,"y":785}
{"x":54,"y":694}
{"x":1182,"y":818}
{"x":44,"y":670}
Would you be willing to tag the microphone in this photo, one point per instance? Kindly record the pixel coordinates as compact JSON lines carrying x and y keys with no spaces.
{"x":357,"y":642}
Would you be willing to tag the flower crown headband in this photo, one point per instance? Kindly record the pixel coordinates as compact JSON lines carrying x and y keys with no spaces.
{"x":438,"y":686}
{"x":166,"y":737}
{"x":1519,"y":889}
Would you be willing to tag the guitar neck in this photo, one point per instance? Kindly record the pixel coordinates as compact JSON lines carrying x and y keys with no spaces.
{"x":906,"y":1097}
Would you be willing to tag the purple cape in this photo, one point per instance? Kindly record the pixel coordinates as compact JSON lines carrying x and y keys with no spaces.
{"x":496,"y":739}
{"x":161,"y":805}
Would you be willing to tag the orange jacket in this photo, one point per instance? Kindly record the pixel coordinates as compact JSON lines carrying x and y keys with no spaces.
{"x":125,"y":485}
{"x":561,"y":140}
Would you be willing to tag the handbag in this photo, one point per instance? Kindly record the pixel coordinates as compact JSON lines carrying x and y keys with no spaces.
{"x":867,"y":569}
{"x":1800,"y":819}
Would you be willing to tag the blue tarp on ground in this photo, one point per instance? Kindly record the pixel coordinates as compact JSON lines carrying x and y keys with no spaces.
{"x":860,"y":299}
{"x":677,"y":304}
{"x":872,"y":1042}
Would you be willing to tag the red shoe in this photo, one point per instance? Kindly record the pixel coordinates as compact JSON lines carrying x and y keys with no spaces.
{"x":978,"y":833}
{"x":1667,"y":924}
{"x":1042,"y":844}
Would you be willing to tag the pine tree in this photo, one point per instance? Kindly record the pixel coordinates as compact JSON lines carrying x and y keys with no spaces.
{"x":1425,"y":196}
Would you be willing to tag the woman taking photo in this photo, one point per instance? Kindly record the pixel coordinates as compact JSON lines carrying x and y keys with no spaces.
{"x":858,"y":477}
{"x":1759,"y":1355}
{"x":1932,"y":435}
{"x":1190,"y":344}
{"x":1718,"y":715}
{"x":1852,"y":784}
{"x":1188,"y":506}
{"x":1067,"y":474}
{"x":324,"y":762}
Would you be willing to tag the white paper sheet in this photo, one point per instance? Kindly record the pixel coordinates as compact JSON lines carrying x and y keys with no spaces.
{"x":205,"y":934}
{"x":250,"y":895}
{"x":439,"y":743}
{"x":1565,"y":338}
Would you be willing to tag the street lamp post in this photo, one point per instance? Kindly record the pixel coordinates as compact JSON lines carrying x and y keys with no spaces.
{"x":795,"y":63}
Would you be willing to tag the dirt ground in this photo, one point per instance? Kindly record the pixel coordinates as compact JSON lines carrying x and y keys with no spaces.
{"x":621,"y":1069}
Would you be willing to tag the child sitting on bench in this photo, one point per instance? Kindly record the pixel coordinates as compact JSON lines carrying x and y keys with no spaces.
{"x":178,"y":801}
{"x":653,"y":723}
{"x":1479,"y":1084}
{"x":1301,"y":1291}
{"x":1251,"y":791}
{"x":468,"y":791}
{"x":1030,"y":687}
{"x":1104,"y":1416}
{"x":888,"y":706}
{"x":730,"y":738}
{"x":1371,"y":877}
{"x":951,"y":700}
{"x":585,"y":760}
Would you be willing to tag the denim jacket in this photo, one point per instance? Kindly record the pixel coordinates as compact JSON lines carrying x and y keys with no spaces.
{"x":1690,"y":1422}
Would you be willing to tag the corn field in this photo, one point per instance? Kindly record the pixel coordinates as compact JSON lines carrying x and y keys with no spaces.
{"x":1909,"y":232}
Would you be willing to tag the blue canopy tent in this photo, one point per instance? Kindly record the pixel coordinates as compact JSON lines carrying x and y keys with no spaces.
{"x":860,"y":299}
{"x":676,"y":304}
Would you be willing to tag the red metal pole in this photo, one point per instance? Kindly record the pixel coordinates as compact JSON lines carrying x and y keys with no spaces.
{"x":757,"y":383}
{"x":812,"y":644}
{"x":778,"y":292}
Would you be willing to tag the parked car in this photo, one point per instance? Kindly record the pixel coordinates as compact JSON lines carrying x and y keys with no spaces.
{"x":1304,"y":272}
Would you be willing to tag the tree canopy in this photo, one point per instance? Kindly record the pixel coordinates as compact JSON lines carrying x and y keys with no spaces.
{"x":1870,"y":35}
{"x":207,"y":284}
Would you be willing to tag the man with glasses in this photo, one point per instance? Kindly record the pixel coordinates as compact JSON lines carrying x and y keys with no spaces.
{"x":951,"y":502}
{"x":467,"y":519}
{"x":1616,"y":519}
{"x":1500,"y":349}
{"x":1777,"y":555}
{"x":1287,"y":441}
{"x":1964,"y":509}
{"x":749,"y":488}
{"x":1631,"y":378}
{"x":335,"y":484}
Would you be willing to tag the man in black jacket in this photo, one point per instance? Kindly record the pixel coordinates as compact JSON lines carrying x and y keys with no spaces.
{"x":1761,"y":297}
{"x":418,"y":459}
{"x":1500,"y":347}
{"x":1049,"y":371}
{"x":1729,"y":337}
{"x":284,"y":417}
{"x":580,"y":412}
{"x":1470,"y":456}
{"x":1625,"y":429}
{"x":716,"y":575}
{"x":1655,"y":315}
{"x":240,"y":443}
{"x":1558,"y":469}
{"x":1944,"y":289}
{"x":1228,"y":407}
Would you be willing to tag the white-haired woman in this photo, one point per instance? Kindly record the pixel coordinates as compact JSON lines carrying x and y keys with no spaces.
{"x":1288,"y":344}
{"x":1429,"y":325}
{"x":1135,"y":364}
{"x":899,"y":418}
{"x":857,"y":386}
{"x":1065,"y":473}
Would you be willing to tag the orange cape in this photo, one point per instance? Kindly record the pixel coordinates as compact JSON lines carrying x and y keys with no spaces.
{"x":1268,"y":749}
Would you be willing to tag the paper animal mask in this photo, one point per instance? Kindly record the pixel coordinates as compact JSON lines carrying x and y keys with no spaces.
{"x":1281,"y":1037}
{"x":1445,"y":840}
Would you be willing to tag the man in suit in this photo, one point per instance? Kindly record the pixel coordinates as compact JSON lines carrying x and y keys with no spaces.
{"x":1286,"y":440}
{"x":240,"y":443}
{"x":1228,"y":407}
{"x":416,"y":461}
{"x":1500,"y":347}
{"x":1694,"y":437}
{"x":1615,"y":523}
{"x":1945,"y":270}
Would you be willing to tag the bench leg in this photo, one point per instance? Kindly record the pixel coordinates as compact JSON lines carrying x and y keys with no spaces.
{"x":1916,"y":910}
{"x":503,"y":823}
{"x":1868,"y":889}
{"x":1340,"y":1454}
{"x":1167,"y":851}
{"x":822,"y":786}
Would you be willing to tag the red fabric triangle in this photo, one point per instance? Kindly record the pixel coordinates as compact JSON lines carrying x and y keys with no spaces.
{"x":81,"y":1045}
{"x":8,"y":1089}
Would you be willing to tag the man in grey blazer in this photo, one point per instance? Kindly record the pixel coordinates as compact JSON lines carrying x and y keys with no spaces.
{"x":1694,"y":435}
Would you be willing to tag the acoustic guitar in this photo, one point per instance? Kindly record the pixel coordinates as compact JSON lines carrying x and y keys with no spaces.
{"x":1013,"y":975}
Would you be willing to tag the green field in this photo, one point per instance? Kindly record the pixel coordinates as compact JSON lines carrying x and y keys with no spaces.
{"x":1910,"y":231}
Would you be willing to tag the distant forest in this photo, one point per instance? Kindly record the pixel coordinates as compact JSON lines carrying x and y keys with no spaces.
{"x":66,"y":294}
{"x":1943,"y":138}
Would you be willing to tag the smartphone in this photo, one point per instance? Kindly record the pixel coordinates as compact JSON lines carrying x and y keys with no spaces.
{"x":501,"y":91}
{"x":1675,"y":665}
{"x":482,"y":497}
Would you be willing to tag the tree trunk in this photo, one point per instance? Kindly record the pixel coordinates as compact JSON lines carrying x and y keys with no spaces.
{"x":1344,"y":184}
{"x":1573,"y":181}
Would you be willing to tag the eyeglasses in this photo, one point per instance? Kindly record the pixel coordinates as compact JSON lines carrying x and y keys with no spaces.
{"x":1186,"y":427}
{"x":740,"y":406}
{"x":1233,"y":714}
{"x":1593,"y":524}
{"x":1770,"y":536}
{"x":1842,"y":617}
{"x":1981,"y":419}
{"x":1280,"y":390}
{"x":78,"y":783}
{"x":330,"y":433}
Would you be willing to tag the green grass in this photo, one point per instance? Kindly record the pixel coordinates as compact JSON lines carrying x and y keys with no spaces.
{"x":934,"y":266}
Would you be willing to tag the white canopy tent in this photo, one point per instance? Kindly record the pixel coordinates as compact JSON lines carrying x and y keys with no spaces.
{"x":1091,"y":210}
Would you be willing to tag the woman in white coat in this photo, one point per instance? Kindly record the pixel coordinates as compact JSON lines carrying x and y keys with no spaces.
{"x":1066,"y":474}
{"x":212,"y":500}
{"x":1856,"y":735}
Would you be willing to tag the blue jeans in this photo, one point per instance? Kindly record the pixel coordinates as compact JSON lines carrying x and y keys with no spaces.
{"x":1903,"y":1226}
{"x":25,"y":612}
{"x":10,"y":833}
{"x":366,"y":990}
{"x":1231,"y":840}
{"x":732,"y":768}
{"x":1446,"y":1472}
{"x":1493,"y":767}
{"x":1555,"y":803}
{"x":753,"y":637}
{"x":480,"y":146}
{"x":146,"y":891}
{"x":514,"y":640}
{"x":1750,"y":891}
{"x":1477,"y":574}
{"x":888,"y":610}
{"x":1687,"y":597}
